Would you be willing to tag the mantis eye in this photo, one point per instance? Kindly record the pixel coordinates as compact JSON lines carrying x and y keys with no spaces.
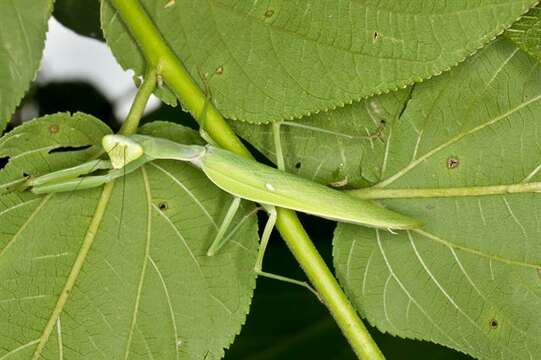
{"x":121,"y":150}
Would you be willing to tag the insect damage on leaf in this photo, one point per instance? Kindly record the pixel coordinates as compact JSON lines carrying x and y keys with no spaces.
{"x":453,"y":162}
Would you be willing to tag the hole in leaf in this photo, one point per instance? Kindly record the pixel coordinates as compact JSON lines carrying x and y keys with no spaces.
{"x":453,"y":162}
{"x":53,"y":128}
{"x":298,"y":165}
{"x":163,"y":206}
{"x":69,"y":149}
{"x":269,"y":13}
{"x":493,"y":323}
{"x":375,"y":36}
{"x":3,"y":161}
{"x":220,"y":70}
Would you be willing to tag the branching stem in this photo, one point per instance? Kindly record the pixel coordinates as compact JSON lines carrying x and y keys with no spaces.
{"x":159,"y":55}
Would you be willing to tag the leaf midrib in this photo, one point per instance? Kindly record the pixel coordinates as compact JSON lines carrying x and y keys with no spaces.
{"x":76,"y":268}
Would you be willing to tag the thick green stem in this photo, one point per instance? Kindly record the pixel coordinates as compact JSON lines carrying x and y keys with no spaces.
{"x":173,"y":72}
{"x":326,"y":285}
{"x":139,"y":103}
{"x":377,"y":193}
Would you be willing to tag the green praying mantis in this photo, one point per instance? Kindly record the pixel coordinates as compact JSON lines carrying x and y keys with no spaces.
{"x":241,"y":177}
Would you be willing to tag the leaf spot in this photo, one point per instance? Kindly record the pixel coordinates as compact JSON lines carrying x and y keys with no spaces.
{"x":53,"y":128}
{"x":220,"y":70}
{"x":163,"y":206}
{"x":298,"y":165}
{"x":453,"y":162}
{"x":493,"y":323}
{"x":170,"y":3}
{"x":375,"y":36}
{"x":178,"y":343}
{"x":269,"y":13}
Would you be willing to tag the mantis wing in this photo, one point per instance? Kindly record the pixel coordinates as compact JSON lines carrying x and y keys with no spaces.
{"x":256,"y":182}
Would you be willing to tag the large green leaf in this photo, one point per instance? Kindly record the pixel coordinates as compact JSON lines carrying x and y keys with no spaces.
{"x":23,"y":24}
{"x":285,"y":59}
{"x":526,"y":32}
{"x":135,"y":283}
{"x":470,"y":278}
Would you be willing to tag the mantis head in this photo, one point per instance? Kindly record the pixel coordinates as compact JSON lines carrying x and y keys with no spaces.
{"x":121,"y":150}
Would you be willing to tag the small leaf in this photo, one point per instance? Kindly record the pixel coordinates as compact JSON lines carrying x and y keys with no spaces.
{"x":127,"y":277}
{"x":526,"y":33}
{"x":287,"y":59}
{"x":470,"y":278}
{"x":23,"y":24}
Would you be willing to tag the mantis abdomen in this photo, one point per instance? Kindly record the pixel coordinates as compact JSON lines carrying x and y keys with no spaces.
{"x":253,"y":181}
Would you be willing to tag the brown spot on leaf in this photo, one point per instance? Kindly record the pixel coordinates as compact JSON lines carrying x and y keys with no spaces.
{"x":53,"y":128}
{"x":453,"y":162}
{"x":269,"y":13}
{"x":493,"y":323}
{"x":220,"y":70}
{"x":163,"y":206}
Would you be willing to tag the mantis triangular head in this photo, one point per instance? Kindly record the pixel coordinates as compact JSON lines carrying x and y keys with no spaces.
{"x":121,"y":150}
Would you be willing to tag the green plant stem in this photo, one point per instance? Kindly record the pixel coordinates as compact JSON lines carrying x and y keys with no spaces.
{"x":137,"y":109}
{"x":377,"y":193}
{"x":173,"y":72}
{"x":326,"y":285}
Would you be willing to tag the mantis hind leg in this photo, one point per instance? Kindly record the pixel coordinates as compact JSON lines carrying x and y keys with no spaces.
{"x":258,"y":268}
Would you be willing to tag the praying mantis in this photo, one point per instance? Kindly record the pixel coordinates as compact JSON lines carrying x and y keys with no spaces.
{"x":240,"y":177}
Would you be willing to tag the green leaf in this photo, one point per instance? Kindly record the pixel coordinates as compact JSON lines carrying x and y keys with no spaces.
{"x":86,"y":276}
{"x":343,"y":148}
{"x":526,"y":32}
{"x":471,"y":277}
{"x":81,"y":16}
{"x":287,"y":59}
{"x":23,"y":24}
